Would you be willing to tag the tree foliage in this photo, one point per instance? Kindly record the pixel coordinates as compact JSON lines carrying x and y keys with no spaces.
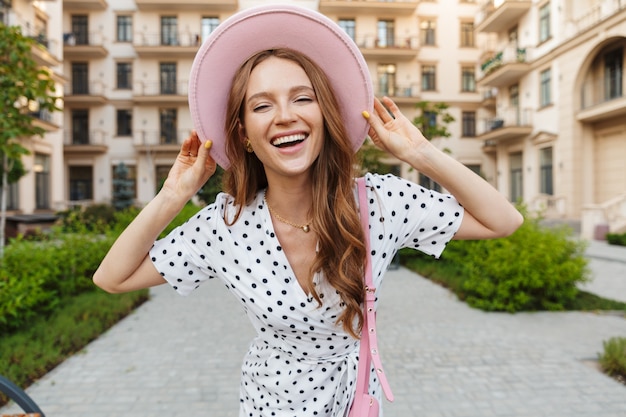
{"x":433,"y":119}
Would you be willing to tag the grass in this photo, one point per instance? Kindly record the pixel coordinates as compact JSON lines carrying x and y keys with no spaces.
{"x":29,"y":354}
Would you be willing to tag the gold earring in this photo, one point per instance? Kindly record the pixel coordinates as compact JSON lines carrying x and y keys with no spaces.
{"x":249,"y":146}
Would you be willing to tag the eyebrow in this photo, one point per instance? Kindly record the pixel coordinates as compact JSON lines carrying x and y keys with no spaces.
{"x":292,"y":90}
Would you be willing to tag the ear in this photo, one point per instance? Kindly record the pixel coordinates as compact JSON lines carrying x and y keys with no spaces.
{"x":242,"y":131}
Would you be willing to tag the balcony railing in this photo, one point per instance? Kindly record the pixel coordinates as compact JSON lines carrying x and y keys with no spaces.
{"x":91,"y":137}
{"x":83,"y":39}
{"x":148,"y":138}
{"x":512,"y":117}
{"x":507,"y":55}
{"x":157,"y":88}
{"x":598,"y":91}
{"x":394,"y":42}
{"x":181,"y":39}
{"x":94,"y":88}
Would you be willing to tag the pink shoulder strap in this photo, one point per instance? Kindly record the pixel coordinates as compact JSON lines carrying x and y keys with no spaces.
{"x":369,"y":345}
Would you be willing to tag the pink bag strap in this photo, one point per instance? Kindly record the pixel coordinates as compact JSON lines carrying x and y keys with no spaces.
{"x":369,"y":345}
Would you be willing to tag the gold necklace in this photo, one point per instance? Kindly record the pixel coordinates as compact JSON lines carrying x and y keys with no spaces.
{"x":304,"y":227}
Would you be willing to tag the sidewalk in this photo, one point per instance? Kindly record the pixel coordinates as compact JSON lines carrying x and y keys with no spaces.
{"x":180,"y":356}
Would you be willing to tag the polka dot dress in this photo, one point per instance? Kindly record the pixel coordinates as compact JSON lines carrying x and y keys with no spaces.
{"x":301,"y":363}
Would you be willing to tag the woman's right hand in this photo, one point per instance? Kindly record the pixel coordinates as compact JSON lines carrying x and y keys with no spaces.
{"x":191,"y":170}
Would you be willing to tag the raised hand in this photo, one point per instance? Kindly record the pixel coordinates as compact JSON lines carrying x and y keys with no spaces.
{"x":392,"y":132}
{"x":192,"y":168}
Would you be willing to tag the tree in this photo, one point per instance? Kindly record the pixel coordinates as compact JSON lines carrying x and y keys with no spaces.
{"x":433,"y":120}
{"x":25,"y":88}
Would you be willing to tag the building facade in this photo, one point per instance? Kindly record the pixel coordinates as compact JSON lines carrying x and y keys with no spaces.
{"x":535,"y":88}
{"x":38,"y":193}
{"x":555,"y":127}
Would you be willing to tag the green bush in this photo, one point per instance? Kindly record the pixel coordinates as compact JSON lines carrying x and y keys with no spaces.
{"x":48,"y":340}
{"x":35,"y":275}
{"x":536,"y":268}
{"x":616,"y":238}
{"x":613,"y":359}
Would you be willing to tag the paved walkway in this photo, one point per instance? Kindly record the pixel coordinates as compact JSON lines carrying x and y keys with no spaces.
{"x":180,"y":356}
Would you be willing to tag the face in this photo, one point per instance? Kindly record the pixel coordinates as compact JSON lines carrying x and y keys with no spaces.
{"x":282,"y":118}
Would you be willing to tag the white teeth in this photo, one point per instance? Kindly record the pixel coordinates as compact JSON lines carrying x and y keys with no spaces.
{"x":288,"y":139}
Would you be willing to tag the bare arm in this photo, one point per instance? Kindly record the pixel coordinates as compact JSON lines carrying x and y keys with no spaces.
{"x":127,"y":266}
{"x":488,"y":214}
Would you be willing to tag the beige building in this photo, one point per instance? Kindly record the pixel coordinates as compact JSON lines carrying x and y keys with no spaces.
{"x":535,"y":87}
{"x":33,"y":199}
{"x":555,"y":117}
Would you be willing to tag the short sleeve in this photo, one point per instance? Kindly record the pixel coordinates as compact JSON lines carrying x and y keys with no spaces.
{"x":412,"y":216}
{"x":183,"y":256}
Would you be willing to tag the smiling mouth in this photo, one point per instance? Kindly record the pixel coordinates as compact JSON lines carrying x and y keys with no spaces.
{"x":286,"y":141}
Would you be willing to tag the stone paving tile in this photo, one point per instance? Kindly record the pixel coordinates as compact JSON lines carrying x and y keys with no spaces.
{"x":180,"y":356}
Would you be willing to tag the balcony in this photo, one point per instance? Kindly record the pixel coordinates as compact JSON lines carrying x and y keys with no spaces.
{"x":84,"y":143}
{"x":506,"y":14}
{"x":162,"y":142}
{"x":396,"y":49}
{"x":401,"y":94}
{"x":45,"y":120}
{"x":84,"y":45}
{"x":85,"y":5}
{"x":188,"y":5}
{"x":602,"y":99}
{"x":489,"y":98}
{"x":161,"y":93}
{"x":376,"y":7}
{"x":510,"y":124}
{"x":155,"y":45}
{"x":85,"y":94}
{"x":505,"y":68}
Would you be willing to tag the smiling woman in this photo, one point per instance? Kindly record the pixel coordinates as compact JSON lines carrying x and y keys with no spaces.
{"x":284,"y":117}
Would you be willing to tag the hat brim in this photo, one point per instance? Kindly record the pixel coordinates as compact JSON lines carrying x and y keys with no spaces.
{"x":268,"y":27}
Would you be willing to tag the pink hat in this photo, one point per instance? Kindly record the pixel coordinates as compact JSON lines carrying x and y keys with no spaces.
{"x":276,"y":26}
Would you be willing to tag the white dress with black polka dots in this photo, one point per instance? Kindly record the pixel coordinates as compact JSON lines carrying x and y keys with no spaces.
{"x":301,"y":363}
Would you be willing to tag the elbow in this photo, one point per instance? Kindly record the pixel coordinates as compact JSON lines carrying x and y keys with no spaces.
{"x":514,"y":223}
{"x":102,"y":283}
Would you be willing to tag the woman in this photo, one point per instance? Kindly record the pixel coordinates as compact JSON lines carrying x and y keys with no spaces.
{"x":286,"y":235}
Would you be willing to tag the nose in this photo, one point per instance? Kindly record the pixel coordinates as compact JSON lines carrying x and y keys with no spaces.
{"x":285,"y":113}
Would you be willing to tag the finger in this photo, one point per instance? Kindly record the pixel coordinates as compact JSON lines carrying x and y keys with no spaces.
{"x":185,"y":148}
{"x":382,"y":112}
{"x":204,"y":158}
{"x":377,"y":130}
{"x":391,"y":106}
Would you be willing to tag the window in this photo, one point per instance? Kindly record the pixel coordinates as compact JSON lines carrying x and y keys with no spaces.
{"x":545,"y":93}
{"x":349,"y":26}
{"x":428,"y":78}
{"x":515,"y":163}
{"x":613,"y":73}
{"x":467,"y":34}
{"x":42,"y":181}
{"x":80,"y":127}
{"x":124,"y":181}
{"x":208,"y":25}
{"x":427,"y":32}
{"x":169,"y":30}
{"x":168,"y":126}
{"x":385,"y":33}
{"x":124,"y":75}
{"x":13,"y":196}
{"x":469,"y":124}
{"x":80,"y":29}
{"x":124,"y":122}
{"x":124,"y":28}
{"x":168,"y":77}
{"x":80,"y":82}
{"x":544,"y":22}
{"x":81,"y":183}
{"x":387,"y":79}
{"x":545,"y":167}
{"x":468,"y":79}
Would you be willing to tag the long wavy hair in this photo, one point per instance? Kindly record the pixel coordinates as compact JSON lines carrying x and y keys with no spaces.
{"x":342,"y":253}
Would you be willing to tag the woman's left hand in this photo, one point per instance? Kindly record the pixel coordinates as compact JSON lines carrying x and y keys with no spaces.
{"x":392,"y":132}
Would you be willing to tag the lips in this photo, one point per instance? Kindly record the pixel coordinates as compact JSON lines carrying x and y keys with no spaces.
{"x":289,"y":140}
